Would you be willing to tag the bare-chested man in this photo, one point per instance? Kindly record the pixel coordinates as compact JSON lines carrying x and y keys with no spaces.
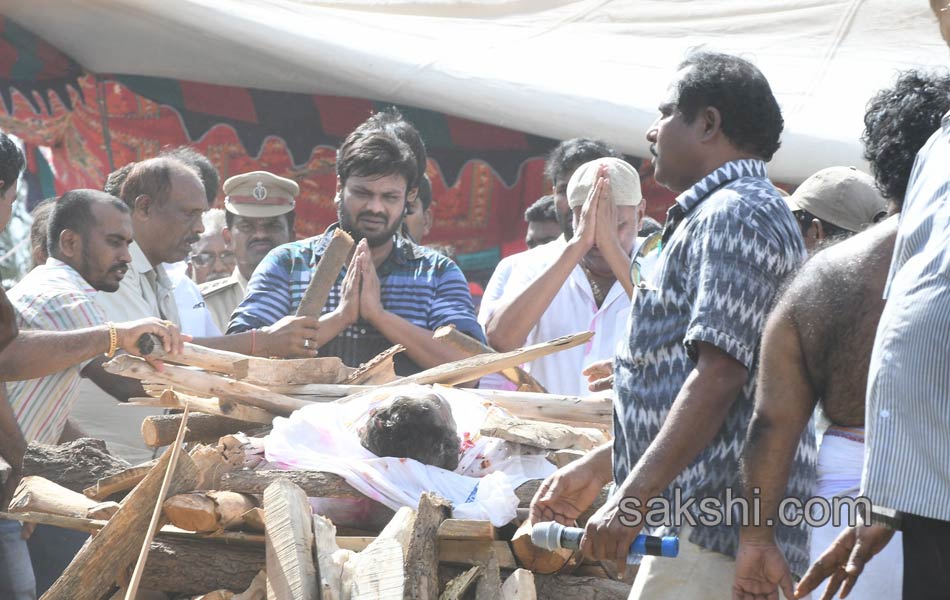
{"x":817,"y":347}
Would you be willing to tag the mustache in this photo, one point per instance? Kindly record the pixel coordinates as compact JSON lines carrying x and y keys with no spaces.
{"x":119,"y":268}
{"x":376,"y":215}
{"x":192,"y":239}
{"x":653,"y":149}
{"x":266,"y":240}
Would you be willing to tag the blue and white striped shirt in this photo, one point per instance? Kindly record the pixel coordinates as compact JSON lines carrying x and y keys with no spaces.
{"x":416,"y":283}
{"x":907,"y":450}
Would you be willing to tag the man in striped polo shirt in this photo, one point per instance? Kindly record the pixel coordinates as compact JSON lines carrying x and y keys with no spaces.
{"x":392,"y":292}
{"x":62,"y":331}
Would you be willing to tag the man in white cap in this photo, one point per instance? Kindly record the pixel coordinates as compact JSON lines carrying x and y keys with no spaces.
{"x":260,"y":216}
{"x":587,"y":287}
{"x":836,"y":202}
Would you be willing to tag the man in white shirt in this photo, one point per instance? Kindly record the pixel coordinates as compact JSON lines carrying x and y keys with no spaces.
{"x":586,"y":287}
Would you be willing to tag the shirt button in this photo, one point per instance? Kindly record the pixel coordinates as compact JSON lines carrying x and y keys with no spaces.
{"x":363,"y":330}
{"x":885,"y":413}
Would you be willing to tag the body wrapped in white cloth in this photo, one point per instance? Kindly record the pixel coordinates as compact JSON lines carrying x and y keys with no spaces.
{"x":326,"y":437}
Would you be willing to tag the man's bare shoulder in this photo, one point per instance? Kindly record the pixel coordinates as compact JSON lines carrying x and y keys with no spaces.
{"x":861,"y":258}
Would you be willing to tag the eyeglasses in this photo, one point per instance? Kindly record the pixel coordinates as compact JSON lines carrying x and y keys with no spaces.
{"x":206,"y":259}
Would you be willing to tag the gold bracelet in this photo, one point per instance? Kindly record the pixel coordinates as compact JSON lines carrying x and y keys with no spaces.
{"x":113,"y":340}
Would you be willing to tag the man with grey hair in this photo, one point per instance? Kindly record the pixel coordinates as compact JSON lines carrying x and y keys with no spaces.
{"x":587,"y":287}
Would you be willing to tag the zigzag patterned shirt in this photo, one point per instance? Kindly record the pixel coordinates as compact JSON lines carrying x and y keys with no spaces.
{"x":714,"y":282}
{"x":416,"y":283}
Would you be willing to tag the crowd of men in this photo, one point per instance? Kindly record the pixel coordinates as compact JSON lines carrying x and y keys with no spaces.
{"x":729,"y":335}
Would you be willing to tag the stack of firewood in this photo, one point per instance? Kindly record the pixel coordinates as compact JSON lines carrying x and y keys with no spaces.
{"x":228,"y":530}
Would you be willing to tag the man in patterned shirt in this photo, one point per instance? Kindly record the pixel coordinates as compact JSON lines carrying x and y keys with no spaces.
{"x":684,"y":381}
{"x":392,"y":292}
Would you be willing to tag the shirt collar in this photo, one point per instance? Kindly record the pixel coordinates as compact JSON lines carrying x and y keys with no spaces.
{"x":140,"y":263}
{"x":730,"y":171}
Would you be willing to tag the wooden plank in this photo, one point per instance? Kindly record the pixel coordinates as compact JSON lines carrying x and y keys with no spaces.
{"x":232,"y":364}
{"x":167,"y":479}
{"x":36,"y":494}
{"x":474,"y":367}
{"x":205,"y":384}
{"x":378,"y":370}
{"x":90,"y":525}
{"x":331,"y":576}
{"x":270,"y":371}
{"x":519,"y":586}
{"x":456,"y":588}
{"x":471,"y":346}
{"x":316,"y":484}
{"x":160,"y":430}
{"x":190,"y":566}
{"x":489,"y":584}
{"x":595,"y":410}
{"x":97,"y":565}
{"x":208,"y":512}
{"x":422,"y":558}
{"x":170,"y":398}
{"x":120,"y":482}
{"x":291,"y":570}
{"x":334,"y":258}
{"x":544,"y":435}
{"x":262,"y":371}
{"x":566,"y":587}
{"x":377,"y":570}
{"x":466,"y":529}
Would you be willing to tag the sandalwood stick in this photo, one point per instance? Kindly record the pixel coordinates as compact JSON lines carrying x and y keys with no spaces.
{"x":209,"y":359}
{"x":205,"y":384}
{"x":465,"y":343}
{"x":325,"y":275}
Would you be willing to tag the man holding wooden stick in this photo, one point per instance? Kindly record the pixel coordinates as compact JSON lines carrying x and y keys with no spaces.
{"x":392,"y":291}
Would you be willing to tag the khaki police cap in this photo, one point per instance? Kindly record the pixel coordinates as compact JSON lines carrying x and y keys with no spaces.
{"x":259,"y":194}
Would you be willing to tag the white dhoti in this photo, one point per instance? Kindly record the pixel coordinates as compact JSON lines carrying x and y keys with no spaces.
{"x":840,"y":461}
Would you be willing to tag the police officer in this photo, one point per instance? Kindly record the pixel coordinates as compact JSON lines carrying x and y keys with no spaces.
{"x":260,"y":216}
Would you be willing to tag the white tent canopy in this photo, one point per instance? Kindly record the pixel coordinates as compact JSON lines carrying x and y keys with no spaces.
{"x":550,"y":67}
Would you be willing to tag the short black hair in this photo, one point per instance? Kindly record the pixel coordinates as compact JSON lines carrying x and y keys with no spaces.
{"x":410,"y":427}
{"x":199,"y":162}
{"x":375,"y":153}
{"x":570,"y":154}
{"x":11,"y":162}
{"x":289,"y":216}
{"x":751,"y":117}
{"x":153,"y":178}
{"x":392,"y":121}
{"x":113,"y":184}
{"x":898,"y":122}
{"x":425,"y":193}
{"x":542,"y":209}
{"x":73,"y":211}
